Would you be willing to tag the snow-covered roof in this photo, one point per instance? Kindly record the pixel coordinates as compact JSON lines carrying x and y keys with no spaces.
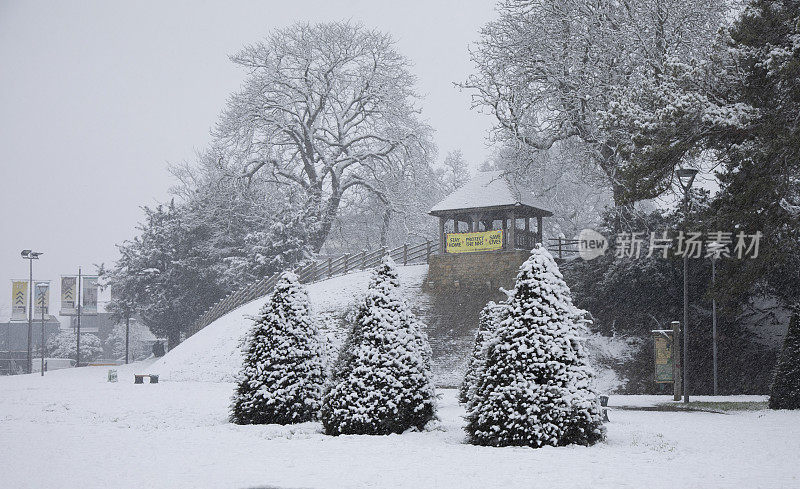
{"x":486,"y":189}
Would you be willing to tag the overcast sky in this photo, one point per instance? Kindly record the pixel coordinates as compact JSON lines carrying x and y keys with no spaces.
{"x":97,"y":97}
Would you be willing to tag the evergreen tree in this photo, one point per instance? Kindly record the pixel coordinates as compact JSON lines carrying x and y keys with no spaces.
{"x":382,"y":382}
{"x":489,"y":321}
{"x":786,"y":387}
{"x":166,"y":274}
{"x":281,"y":381}
{"x":535,"y":388}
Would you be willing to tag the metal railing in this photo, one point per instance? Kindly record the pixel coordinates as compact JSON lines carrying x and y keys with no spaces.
{"x":315,"y":271}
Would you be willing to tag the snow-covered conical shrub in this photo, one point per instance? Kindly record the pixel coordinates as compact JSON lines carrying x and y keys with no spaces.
{"x":382,"y":382}
{"x":786,"y":386}
{"x":535,"y":386}
{"x":489,"y":321}
{"x":282,"y":377}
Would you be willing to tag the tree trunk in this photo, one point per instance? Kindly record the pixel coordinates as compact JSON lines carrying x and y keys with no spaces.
{"x":387,"y":217}
{"x":173,"y":338}
{"x":326,"y":218}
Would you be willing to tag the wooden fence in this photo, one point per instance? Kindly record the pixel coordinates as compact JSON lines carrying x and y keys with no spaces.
{"x":562,"y":246}
{"x":315,"y":271}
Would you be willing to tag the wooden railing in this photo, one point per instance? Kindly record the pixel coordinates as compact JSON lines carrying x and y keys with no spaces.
{"x":524,"y":240}
{"x":562,"y":247}
{"x":315,"y":271}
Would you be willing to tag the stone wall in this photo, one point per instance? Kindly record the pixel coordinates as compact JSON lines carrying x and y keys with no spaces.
{"x":490,"y":270}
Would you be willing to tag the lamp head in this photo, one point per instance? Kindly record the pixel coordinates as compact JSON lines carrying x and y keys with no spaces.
{"x":25,"y":253}
{"x":35,"y":254}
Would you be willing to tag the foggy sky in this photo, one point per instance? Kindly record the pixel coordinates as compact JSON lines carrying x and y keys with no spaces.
{"x":97,"y":97}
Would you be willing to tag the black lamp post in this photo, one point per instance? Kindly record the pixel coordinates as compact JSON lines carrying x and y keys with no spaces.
{"x":30,"y":256}
{"x":42,"y":286}
{"x":686,"y":178}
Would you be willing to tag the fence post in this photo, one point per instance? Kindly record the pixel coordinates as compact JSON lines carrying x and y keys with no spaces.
{"x":363,"y":259}
{"x":330,"y":269}
{"x":427,"y":251}
{"x":346,"y":260}
{"x":560,"y":256}
{"x":405,"y":253}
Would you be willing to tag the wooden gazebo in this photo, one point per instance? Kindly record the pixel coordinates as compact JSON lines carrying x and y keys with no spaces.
{"x":488,"y":203}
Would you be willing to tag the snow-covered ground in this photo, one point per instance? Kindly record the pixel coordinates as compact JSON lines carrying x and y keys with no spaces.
{"x":74,"y":429}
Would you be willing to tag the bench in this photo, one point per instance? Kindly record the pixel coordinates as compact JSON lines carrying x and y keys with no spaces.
{"x":139,"y":378}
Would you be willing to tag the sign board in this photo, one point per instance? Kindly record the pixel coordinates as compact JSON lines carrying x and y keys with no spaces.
{"x":478,"y":241}
{"x":19,"y":300}
{"x":41,"y":299}
{"x":663,"y":357}
{"x":89,"y":296}
{"x":69,"y":292}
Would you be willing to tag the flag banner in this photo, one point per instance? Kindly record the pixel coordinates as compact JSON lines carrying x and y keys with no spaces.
{"x":480,"y":241}
{"x":89,"y":296}
{"x":69,"y":294}
{"x":41,"y":299}
{"x":19,"y":300}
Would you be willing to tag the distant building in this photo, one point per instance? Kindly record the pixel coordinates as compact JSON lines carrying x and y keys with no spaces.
{"x":14,"y":342}
{"x":99,"y":325}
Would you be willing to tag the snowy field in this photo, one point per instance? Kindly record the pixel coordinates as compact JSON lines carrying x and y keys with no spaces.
{"x":72,"y":429}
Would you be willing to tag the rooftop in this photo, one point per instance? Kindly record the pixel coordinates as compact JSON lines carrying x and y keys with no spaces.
{"x":488,"y":189}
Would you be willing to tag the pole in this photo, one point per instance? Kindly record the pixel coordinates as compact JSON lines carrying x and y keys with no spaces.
{"x":676,"y":361}
{"x":127,"y":334}
{"x":714,"y":320}
{"x":686,"y":306}
{"x":30,"y":317}
{"x":42,"y":332}
{"x":78,"y":342}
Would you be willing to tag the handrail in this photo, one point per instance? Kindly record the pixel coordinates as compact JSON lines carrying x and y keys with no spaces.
{"x":315,"y":271}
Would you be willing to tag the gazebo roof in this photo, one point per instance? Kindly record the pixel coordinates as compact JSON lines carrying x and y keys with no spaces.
{"x":488,"y":191}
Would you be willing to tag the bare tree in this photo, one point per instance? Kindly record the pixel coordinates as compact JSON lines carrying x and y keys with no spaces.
{"x":323,"y":109}
{"x":549,"y":71}
{"x":456,"y":172}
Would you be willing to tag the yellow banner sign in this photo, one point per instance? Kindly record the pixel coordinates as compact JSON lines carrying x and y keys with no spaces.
{"x":480,"y":241}
{"x":19,"y":300}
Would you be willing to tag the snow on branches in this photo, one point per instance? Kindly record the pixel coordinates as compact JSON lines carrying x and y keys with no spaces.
{"x":282,"y":377}
{"x":535,"y":387}
{"x":490,"y":319}
{"x":382,"y":382}
{"x":65,"y":345}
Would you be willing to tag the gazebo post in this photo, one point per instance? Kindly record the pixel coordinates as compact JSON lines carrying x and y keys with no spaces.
{"x":505,"y":234}
{"x":539,"y":229}
{"x":474,"y":223}
{"x":512,"y":230}
{"x":442,"y":242}
{"x":528,"y":243}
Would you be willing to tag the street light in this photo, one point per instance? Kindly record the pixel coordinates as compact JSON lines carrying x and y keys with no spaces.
{"x":30,"y":255}
{"x":42,"y":286}
{"x":685,"y":179}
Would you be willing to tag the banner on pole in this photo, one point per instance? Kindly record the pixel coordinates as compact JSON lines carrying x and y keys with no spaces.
{"x":19,"y":300}
{"x":663,"y":357}
{"x":41,"y":299}
{"x":89,"y":296}
{"x":69,"y":294}
{"x":479,"y":241}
